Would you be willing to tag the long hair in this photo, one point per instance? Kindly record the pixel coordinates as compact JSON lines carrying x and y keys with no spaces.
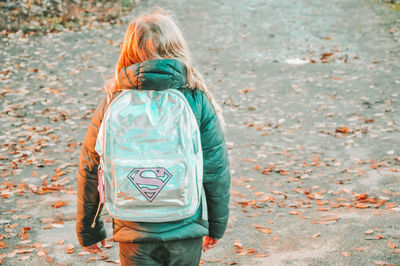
{"x":156,"y":36}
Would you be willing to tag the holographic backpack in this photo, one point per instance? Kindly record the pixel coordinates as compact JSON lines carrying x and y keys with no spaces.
{"x":151,"y":163}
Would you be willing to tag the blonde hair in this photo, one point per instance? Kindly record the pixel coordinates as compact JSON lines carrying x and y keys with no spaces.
{"x":156,"y":36}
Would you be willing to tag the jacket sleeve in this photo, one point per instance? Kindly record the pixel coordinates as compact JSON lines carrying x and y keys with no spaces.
{"x":88,"y":196}
{"x":216,"y":171}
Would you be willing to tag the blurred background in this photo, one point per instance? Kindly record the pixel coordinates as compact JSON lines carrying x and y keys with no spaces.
{"x":34,"y":16}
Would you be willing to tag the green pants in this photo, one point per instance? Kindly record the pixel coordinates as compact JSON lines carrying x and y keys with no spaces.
{"x":185,"y":252}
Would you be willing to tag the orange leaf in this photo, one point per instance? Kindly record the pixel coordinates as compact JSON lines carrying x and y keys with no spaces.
{"x":237,"y":244}
{"x":343,"y":130}
{"x":391,"y":244}
{"x":375,"y":165}
{"x":345,"y":253}
{"x":265,"y":230}
{"x":318,"y":195}
{"x":3,"y":245}
{"x":69,"y":249}
{"x":59,"y":204}
{"x":369,"y":231}
{"x":316,"y":235}
{"x":262,"y":229}
{"x":379,"y":262}
{"x":246,"y":91}
{"x":269,"y":198}
{"x":361,"y":205}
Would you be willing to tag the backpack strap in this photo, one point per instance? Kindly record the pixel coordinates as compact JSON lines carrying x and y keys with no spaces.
{"x":204,"y":211}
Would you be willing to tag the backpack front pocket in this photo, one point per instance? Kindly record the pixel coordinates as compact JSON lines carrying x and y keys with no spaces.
{"x":149,"y":184}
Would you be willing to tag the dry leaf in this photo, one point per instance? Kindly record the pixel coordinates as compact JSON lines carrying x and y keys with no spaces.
{"x":345,"y":253}
{"x":69,"y":249}
{"x":363,"y":248}
{"x":237,"y":244}
{"x":378,"y":262}
{"x":342,"y":130}
{"x":369,"y":232}
{"x":24,"y":257}
{"x":361,"y":205}
{"x":316,"y":235}
{"x":391,"y":244}
{"x":59,"y":204}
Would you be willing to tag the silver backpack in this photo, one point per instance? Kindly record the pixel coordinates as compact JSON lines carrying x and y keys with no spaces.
{"x":151,"y":157}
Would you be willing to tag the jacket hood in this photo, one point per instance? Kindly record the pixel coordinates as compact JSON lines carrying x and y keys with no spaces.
{"x":158,"y":74}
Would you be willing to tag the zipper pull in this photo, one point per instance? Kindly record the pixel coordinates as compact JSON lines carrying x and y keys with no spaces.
{"x":95,"y":217}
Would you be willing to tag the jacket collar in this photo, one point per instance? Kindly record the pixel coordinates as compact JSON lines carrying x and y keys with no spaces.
{"x":157,"y":74}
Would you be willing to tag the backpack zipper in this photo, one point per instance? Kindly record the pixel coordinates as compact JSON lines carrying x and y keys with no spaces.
{"x":101,"y":160}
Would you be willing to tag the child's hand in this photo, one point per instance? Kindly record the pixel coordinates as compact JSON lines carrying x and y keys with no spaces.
{"x":209,"y":242}
{"x":94,"y":248}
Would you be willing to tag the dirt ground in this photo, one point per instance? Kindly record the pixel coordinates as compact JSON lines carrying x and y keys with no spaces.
{"x":310,"y":92}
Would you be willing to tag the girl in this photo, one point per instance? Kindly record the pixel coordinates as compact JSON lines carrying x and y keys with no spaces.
{"x":154,"y":56}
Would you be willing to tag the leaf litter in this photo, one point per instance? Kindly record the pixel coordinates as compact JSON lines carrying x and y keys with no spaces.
{"x":304,"y":147}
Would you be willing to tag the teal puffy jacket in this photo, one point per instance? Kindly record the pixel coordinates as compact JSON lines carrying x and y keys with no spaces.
{"x":159,"y":74}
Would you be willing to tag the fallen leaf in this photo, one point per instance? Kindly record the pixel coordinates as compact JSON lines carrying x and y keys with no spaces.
{"x":246,"y":91}
{"x":378,"y":262}
{"x":263,"y":229}
{"x":326,"y":220}
{"x":83,"y":253}
{"x":363,"y":248}
{"x":391,"y":244}
{"x":361,"y":197}
{"x":24,"y":257}
{"x":342,"y":130}
{"x":69,"y":249}
{"x":237,"y":244}
{"x":361,"y":205}
{"x":3,"y":245}
{"x":318,"y":195}
{"x":59,"y":204}
{"x":369,"y":232}
{"x":23,"y":251}
{"x":345,"y":253}
{"x":316,"y":235}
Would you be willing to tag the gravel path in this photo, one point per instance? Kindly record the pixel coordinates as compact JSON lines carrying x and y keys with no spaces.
{"x":310,"y":91}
